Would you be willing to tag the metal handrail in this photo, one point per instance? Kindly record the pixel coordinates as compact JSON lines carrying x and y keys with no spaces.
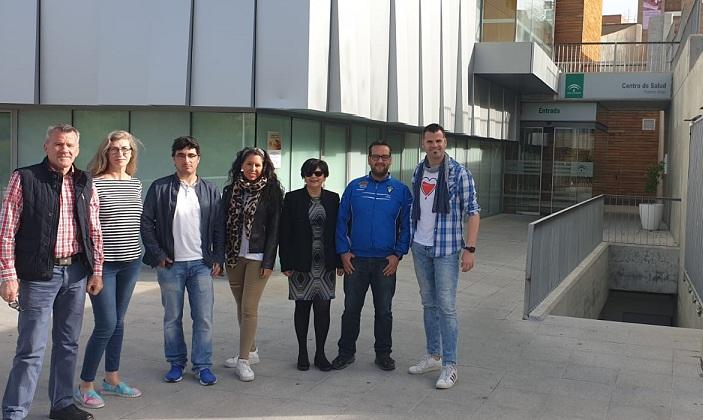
{"x":628,"y":56}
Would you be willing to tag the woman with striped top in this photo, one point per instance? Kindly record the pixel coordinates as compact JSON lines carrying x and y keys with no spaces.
{"x":113,"y":168}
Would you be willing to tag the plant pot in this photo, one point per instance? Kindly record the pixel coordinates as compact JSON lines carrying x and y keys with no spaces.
{"x":651,"y":215}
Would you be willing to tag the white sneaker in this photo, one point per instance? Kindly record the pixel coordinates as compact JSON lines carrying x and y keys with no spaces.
{"x":447,"y":378}
{"x":244,"y":371}
{"x":427,"y":364}
{"x":253,"y":359}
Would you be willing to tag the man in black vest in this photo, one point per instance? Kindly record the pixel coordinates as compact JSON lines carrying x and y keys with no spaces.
{"x":50,"y":241}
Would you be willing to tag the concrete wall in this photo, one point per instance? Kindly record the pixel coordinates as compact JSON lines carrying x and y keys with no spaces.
{"x":583,"y":292}
{"x":686,"y":101}
{"x":643,"y":268}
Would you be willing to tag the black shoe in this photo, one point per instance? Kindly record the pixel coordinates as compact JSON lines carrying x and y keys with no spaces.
{"x":342,"y":361}
{"x":322,"y":363}
{"x":385,"y":362}
{"x":303,"y":362}
{"x":70,"y":412}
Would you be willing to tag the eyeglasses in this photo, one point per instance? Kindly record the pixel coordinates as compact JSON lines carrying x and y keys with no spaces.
{"x":317,"y":173}
{"x":186,"y":155}
{"x":15,"y":304}
{"x":376,"y":158}
{"x":119,"y":150}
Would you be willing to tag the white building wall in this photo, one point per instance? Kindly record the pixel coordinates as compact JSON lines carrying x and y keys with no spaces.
{"x":223,"y":53}
{"x":339,"y":56}
{"x":18,"y":42}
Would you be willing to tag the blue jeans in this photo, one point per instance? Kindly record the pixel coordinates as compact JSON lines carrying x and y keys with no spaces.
{"x":193,"y":276}
{"x":438,"y":278}
{"x":109,"y":308}
{"x":367,"y":272}
{"x":64,"y":296}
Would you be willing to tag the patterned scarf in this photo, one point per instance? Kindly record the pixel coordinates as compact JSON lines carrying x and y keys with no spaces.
{"x":242,"y":208}
{"x":441,"y":196}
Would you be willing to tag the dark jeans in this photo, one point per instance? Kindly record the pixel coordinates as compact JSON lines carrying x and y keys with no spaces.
{"x":109,"y":308}
{"x":56,"y":304}
{"x":367,"y":272}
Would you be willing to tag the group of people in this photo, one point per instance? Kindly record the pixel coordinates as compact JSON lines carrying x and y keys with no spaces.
{"x":65,"y":232}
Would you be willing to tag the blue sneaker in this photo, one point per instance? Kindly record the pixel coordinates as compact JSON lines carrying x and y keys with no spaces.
{"x":175,"y":374}
{"x":206,"y":377}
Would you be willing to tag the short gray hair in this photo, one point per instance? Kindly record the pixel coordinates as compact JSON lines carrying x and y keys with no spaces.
{"x":63,"y":128}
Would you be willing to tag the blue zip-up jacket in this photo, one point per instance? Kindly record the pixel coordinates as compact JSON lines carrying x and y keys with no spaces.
{"x":374,"y":218}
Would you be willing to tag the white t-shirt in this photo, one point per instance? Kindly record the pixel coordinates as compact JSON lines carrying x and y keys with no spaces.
{"x":424,"y":233}
{"x":244,"y":246}
{"x":186,"y":225}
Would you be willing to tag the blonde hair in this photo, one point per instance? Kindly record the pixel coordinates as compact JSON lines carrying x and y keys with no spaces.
{"x":100,"y":163}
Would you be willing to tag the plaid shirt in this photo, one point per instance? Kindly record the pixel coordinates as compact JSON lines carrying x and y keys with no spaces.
{"x":449,"y":228}
{"x":67,"y":238}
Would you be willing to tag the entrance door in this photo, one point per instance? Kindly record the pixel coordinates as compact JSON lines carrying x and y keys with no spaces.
{"x":523,"y":172}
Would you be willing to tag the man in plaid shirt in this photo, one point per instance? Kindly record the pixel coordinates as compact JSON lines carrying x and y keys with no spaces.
{"x":50,"y":242}
{"x":444,"y":206}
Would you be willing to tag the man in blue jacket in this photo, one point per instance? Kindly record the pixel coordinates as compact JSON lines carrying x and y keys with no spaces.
{"x":182,"y":241}
{"x":373,"y":234}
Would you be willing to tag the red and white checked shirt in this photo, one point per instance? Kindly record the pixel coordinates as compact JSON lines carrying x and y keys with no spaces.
{"x":67,"y":238}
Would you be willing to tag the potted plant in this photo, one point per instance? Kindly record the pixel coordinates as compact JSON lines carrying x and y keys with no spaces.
{"x":651,"y":213}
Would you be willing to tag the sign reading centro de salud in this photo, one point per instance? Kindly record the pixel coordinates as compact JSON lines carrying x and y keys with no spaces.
{"x":641,"y":86}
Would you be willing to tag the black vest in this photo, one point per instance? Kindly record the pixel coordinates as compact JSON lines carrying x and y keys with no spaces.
{"x":35,"y":240}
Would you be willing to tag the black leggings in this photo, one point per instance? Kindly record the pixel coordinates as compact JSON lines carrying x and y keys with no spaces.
{"x":321,"y":321}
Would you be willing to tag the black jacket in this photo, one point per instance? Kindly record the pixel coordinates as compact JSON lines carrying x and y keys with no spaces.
{"x":36,"y":236}
{"x":296,"y":233}
{"x":264,"y":230}
{"x":157,"y":221}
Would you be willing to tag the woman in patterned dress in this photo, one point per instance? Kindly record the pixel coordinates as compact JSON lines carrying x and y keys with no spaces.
{"x":309,"y":259}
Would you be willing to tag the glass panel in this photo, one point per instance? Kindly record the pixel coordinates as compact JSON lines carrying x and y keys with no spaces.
{"x":221,"y":136}
{"x":5,"y":149}
{"x":523,"y":178}
{"x":573,"y":166}
{"x":547,"y":171}
{"x":277,"y":126}
{"x":357,"y":162}
{"x":335,"y":156}
{"x":395,"y":140}
{"x":498,"y":20}
{"x":510,"y":121}
{"x":482,"y":98}
{"x":535,"y":23}
{"x":496,"y":112}
{"x":157,"y":130}
{"x":484,"y":176}
{"x":496,"y":192}
{"x":410,"y":157}
{"x":306,"y":145}
{"x":473,"y":156}
{"x":451,"y":146}
{"x":31,"y":133}
{"x":94,"y":127}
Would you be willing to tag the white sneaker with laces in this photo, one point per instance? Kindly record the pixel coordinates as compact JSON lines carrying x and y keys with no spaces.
{"x":253,"y":359}
{"x":427,"y":364}
{"x":447,"y":378}
{"x":244,"y":370}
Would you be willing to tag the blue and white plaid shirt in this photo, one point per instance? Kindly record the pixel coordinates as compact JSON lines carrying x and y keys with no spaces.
{"x":449,"y":228}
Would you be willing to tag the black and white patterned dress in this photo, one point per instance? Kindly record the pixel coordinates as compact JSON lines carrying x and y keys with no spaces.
{"x":319,"y":283}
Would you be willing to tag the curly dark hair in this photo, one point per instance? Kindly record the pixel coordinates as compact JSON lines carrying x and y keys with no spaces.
{"x":268,"y":170}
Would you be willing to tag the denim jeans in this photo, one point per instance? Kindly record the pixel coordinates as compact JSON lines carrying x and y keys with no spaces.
{"x":193,"y":276}
{"x":109,"y":308}
{"x":367,"y":272}
{"x":64,"y":296}
{"x":438,"y":278}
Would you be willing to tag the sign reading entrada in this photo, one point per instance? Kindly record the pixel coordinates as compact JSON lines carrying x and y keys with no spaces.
{"x":558,"y":111}
{"x":616,"y":86}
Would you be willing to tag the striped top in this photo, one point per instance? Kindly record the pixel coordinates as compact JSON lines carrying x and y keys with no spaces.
{"x":120,"y":213}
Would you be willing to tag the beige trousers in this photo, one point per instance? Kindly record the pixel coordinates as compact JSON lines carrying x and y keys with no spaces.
{"x":247,"y":287}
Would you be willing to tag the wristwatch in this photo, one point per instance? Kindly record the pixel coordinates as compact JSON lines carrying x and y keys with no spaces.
{"x":471,"y":249}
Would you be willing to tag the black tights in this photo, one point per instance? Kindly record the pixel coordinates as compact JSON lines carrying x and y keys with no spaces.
{"x":321,"y":321}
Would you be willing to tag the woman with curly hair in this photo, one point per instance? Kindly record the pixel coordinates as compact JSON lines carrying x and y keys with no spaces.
{"x":250,"y":211}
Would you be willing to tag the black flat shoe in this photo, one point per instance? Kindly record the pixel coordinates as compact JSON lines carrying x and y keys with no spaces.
{"x":342,"y":361}
{"x":303,"y":362}
{"x":70,"y":412}
{"x":322,"y":363}
{"x":385,"y":362}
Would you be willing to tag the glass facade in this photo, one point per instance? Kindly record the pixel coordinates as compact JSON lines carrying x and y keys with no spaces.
{"x":549,"y":169}
{"x":495,"y":109}
{"x":341,"y":143}
{"x":519,"y":21}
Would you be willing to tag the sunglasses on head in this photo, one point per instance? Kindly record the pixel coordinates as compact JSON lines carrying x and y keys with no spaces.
{"x":318,"y":173}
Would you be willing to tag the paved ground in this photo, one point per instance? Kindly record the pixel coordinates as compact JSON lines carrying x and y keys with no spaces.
{"x":561,"y":368}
